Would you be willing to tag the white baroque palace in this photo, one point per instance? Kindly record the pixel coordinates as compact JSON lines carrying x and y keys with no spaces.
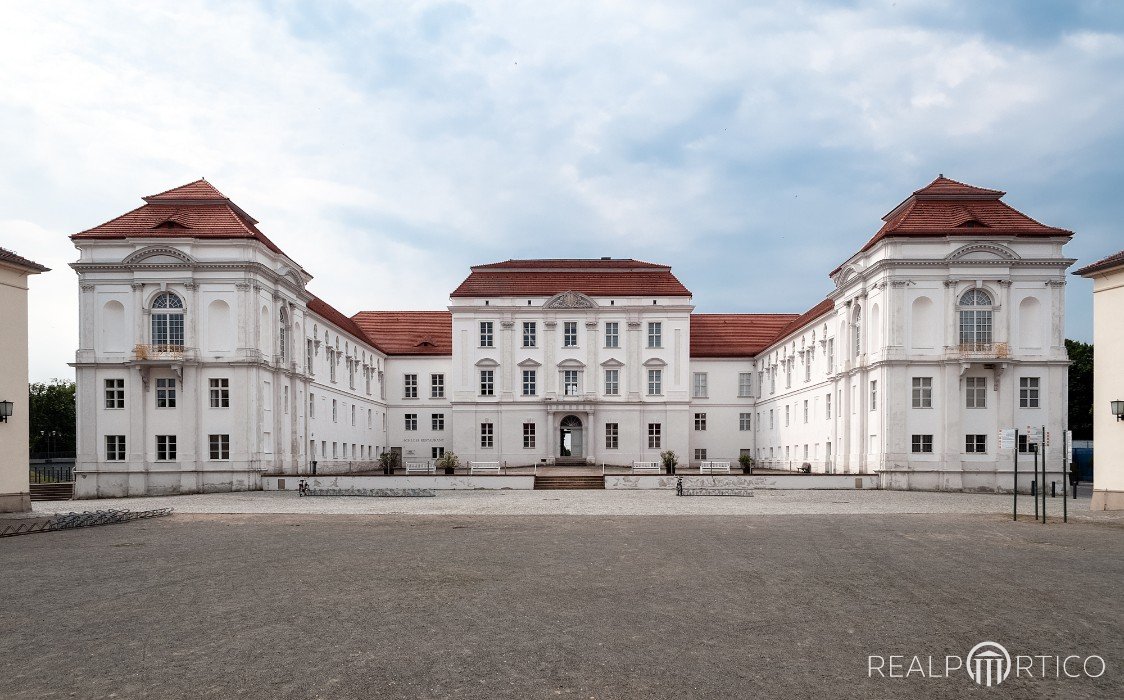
{"x":205,"y":362}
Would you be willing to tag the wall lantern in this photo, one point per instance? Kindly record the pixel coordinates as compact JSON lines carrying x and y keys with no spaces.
{"x":6,"y":410}
{"x":1117,"y":409}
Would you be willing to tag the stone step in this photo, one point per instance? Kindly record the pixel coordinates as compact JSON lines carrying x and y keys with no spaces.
{"x":52,"y":492}
{"x":570,"y":482}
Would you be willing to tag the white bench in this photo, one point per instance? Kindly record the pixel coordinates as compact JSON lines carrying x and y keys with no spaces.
{"x":714,"y":467}
{"x":647,"y":468}
{"x":483,"y":467}
{"x":419,"y":468}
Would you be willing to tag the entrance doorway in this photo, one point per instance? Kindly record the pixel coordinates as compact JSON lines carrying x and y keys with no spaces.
{"x":570,"y":442}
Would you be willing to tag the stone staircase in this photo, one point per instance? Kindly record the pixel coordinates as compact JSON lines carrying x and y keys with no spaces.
{"x":576,"y":481}
{"x":61,"y":491}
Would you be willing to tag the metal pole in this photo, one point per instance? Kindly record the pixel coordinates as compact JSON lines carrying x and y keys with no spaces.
{"x":1015,"y":508}
{"x":1035,"y":488}
{"x":1042,"y":441}
{"x":1065,"y":475}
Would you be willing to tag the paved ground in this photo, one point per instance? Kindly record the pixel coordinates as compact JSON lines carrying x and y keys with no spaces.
{"x":319,"y":606}
{"x":607,"y":503}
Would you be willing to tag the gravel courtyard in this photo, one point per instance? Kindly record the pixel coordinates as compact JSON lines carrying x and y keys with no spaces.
{"x":306,"y":605}
{"x":601,"y":503}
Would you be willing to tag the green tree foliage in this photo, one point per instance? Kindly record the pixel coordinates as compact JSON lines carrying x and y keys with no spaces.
{"x":52,"y":416}
{"x":1080,"y":389}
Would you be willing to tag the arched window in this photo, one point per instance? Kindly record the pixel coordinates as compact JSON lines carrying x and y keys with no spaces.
{"x":856,"y":331}
{"x":167,"y":322}
{"x":975,"y":319}
{"x":283,"y":336}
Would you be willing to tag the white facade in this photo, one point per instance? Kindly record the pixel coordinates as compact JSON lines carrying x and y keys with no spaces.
{"x":925,"y":349}
{"x":1108,"y":381}
{"x":200,"y":366}
{"x":14,"y":489}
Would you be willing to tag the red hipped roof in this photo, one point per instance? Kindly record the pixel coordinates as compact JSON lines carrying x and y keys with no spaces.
{"x":1114,"y":260}
{"x":194,"y":210}
{"x":595,"y":277}
{"x":408,"y":332}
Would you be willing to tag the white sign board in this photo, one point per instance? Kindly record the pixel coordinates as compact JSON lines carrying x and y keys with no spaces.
{"x":1007,"y":439}
{"x":1033,"y":434}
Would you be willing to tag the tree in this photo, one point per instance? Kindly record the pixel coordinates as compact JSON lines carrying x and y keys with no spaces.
{"x":52,"y":416}
{"x":1080,"y":389}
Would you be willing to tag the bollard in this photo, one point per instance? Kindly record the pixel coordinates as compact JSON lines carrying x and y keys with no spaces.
{"x":1053,"y":489}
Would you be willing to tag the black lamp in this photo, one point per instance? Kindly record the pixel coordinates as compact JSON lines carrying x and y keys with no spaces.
{"x":5,"y":410}
{"x":1117,"y":409}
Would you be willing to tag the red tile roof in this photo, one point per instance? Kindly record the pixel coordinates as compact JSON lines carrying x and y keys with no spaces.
{"x":7,"y":256}
{"x":824,"y":307}
{"x":330,"y":314}
{"x":409,"y":332}
{"x":195,"y":210}
{"x":1114,"y":260}
{"x":949,"y":208}
{"x":735,"y":335}
{"x":595,"y":277}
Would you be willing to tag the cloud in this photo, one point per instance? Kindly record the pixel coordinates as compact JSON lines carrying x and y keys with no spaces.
{"x":387,"y":148}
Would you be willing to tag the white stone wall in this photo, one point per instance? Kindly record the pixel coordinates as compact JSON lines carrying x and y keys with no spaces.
{"x":13,"y":387}
{"x":1108,"y":386}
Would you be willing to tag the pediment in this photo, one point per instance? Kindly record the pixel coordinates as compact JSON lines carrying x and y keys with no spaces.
{"x":570,"y":300}
{"x":571,"y":363}
{"x":983,"y":251}
{"x":612,"y":362}
{"x":530,"y":362}
{"x":487,"y":362}
{"x":654,"y":362}
{"x":158,"y":255}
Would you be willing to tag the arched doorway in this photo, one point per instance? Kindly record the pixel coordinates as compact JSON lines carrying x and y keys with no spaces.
{"x":570,"y":443}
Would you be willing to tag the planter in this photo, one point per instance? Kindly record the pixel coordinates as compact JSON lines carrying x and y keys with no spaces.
{"x":449,"y":471}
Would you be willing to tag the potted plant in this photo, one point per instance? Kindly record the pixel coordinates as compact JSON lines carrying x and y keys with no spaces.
{"x":449,"y":462}
{"x":747,"y":464}
{"x":670,"y":461}
{"x":388,"y":461}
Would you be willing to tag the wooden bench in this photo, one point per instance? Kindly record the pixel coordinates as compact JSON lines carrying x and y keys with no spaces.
{"x":714,"y":467}
{"x":484,"y":468}
{"x":647,"y":468}
{"x":419,"y":468}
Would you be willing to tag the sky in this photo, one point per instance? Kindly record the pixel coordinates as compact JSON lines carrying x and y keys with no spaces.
{"x":386,"y":147}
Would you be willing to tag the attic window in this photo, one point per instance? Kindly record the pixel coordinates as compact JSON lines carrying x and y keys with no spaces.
{"x":426,"y":342}
{"x":170,"y":223}
{"x":972,"y":223}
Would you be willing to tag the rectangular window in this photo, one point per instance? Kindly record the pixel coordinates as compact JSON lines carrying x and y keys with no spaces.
{"x":788,"y":374}
{"x":976,"y":444}
{"x":787,"y":415}
{"x":698,"y":387}
{"x":874,"y":395}
{"x":219,"y":446}
{"x":486,"y":435}
{"x":1028,"y":392}
{"x":827,"y":405}
{"x":570,"y":386}
{"x":410,"y":386}
{"x":528,"y":436}
{"x":655,"y":382}
{"x":530,"y":334}
{"x":352,"y":413}
{"x":165,"y":393}
{"x":335,"y":450}
{"x":612,"y":382}
{"x":487,"y":336}
{"x":309,"y":352}
{"x":700,"y":453}
{"x":437,"y":386}
{"x":436,"y":452}
{"x":612,"y":334}
{"x":805,"y":410}
{"x":830,"y":355}
{"x":115,"y":448}
{"x":487,"y":382}
{"x":922,"y":444}
{"x":612,"y":436}
{"x":654,"y":433}
{"x":165,"y":447}
{"x":530,"y":382}
{"x":922,"y":392}
{"x":331,"y":354}
{"x":437,"y":421}
{"x":975,"y":392}
{"x":744,"y":421}
{"x":115,"y":393}
{"x":700,"y":421}
{"x":745,"y":384}
{"x":220,"y":392}
{"x":770,"y":419}
{"x":1025,"y":446}
{"x":808,"y":364}
{"x":655,"y":334}
{"x":570,"y":334}
{"x":411,"y":421}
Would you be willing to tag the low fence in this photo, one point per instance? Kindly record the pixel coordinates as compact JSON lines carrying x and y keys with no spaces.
{"x":51,"y":472}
